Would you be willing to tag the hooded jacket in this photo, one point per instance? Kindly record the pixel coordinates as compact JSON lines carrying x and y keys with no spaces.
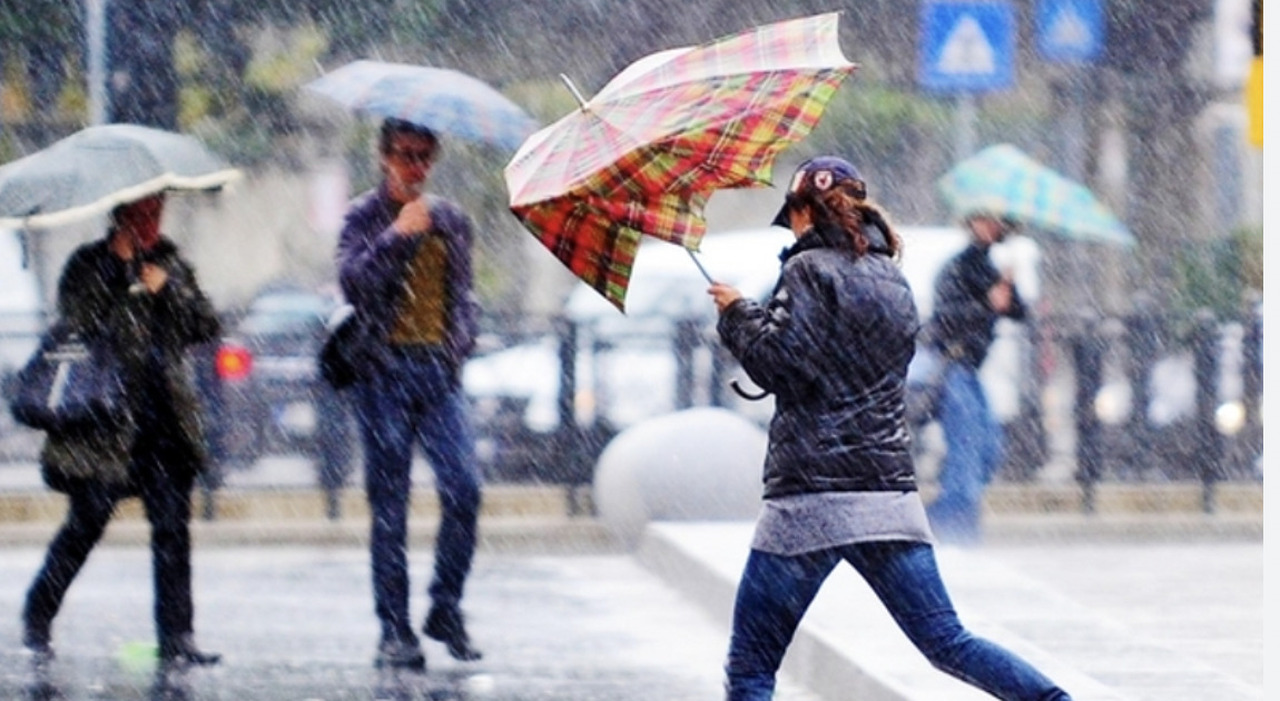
{"x":151,"y":334}
{"x":832,"y":344}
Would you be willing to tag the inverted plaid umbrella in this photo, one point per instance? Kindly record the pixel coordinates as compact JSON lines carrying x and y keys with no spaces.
{"x":1003,"y":180}
{"x":644,"y":155}
{"x":97,"y":168}
{"x":441,"y":99}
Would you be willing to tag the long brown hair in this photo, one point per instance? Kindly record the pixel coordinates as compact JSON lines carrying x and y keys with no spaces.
{"x":845,"y":206}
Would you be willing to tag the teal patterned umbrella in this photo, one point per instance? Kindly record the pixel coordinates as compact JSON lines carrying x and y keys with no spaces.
{"x":1005,"y":181}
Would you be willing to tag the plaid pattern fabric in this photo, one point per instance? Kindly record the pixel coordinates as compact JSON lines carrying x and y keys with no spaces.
{"x":447,"y":101}
{"x":1005,"y":181}
{"x":644,"y":155}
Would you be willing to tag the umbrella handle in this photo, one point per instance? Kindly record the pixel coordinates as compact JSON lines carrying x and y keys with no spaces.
{"x":749,"y":396}
{"x":701,"y":269}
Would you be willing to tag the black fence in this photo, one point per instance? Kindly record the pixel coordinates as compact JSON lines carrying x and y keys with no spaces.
{"x":1149,"y":397}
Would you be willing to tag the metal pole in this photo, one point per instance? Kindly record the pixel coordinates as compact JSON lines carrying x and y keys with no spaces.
{"x":1207,"y":457}
{"x":1087,"y":352}
{"x":1073,"y":130}
{"x":966,"y":125}
{"x":96,"y":41}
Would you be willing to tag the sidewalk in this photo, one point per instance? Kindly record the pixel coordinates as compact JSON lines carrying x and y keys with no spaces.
{"x":1114,"y":622}
{"x":1147,"y":599}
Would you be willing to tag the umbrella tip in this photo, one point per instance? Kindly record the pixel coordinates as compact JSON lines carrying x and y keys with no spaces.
{"x":574,"y":89}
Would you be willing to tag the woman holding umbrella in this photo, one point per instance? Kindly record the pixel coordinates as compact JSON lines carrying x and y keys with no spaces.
{"x":132,"y":291}
{"x":833,"y":344}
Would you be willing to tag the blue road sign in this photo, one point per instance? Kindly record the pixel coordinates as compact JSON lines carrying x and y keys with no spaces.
{"x":966,"y":46}
{"x":1069,"y":31}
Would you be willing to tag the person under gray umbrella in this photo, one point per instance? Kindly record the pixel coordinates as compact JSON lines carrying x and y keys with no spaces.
{"x":132,"y":291}
{"x":404,"y":263}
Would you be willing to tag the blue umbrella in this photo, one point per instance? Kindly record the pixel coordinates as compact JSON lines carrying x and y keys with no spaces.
{"x":444,"y":100}
{"x":1003,"y":180}
{"x":97,"y":168}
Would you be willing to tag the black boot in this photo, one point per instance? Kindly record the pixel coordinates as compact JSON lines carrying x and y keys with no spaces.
{"x":35,"y":637}
{"x":444,"y":623}
{"x":400,"y":653}
{"x":183,"y":652}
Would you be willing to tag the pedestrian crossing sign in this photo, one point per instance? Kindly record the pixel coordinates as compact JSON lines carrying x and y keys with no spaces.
{"x":966,"y":46}
{"x":1069,"y":31}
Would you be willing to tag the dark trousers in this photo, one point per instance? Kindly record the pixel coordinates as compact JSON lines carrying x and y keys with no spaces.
{"x":166,"y":496}
{"x":416,"y":400}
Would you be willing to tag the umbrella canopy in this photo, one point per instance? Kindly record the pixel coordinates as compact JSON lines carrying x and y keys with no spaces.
{"x":645,"y":154}
{"x":97,"y":168}
{"x":1005,"y":181}
{"x":440,"y":99}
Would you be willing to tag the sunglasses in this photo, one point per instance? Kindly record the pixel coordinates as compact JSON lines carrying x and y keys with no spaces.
{"x":416,"y":156}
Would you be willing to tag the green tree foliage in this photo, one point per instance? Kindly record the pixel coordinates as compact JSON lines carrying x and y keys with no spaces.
{"x":39,"y":36}
{"x":1220,"y":275}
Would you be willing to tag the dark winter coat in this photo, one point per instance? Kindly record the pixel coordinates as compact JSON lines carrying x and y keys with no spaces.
{"x":964,"y":324}
{"x":832,"y":344}
{"x":152,"y":335}
{"x":372,"y":260}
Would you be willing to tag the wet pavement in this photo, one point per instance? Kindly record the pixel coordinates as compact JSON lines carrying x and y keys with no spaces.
{"x":1108,"y":621}
{"x":296,"y":624}
{"x":1108,"y":610}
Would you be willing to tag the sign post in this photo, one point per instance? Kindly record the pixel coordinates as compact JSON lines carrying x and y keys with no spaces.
{"x":1070,"y":32}
{"x":966,"y":47}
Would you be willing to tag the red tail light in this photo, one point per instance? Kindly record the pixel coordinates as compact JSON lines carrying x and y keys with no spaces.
{"x":233,"y":362}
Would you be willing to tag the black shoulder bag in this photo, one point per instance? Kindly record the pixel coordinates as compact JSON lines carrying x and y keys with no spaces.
{"x":347,"y":350}
{"x":70,"y":384}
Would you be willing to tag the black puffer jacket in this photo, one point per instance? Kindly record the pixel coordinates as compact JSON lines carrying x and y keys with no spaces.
{"x":833,"y":344}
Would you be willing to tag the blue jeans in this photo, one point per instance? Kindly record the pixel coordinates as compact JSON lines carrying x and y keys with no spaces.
{"x":975,"y":451}
{"x":416,"y":399}
{"x":775,"y":591}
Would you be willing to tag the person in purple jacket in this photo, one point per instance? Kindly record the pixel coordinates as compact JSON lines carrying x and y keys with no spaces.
{"x":404,"y":264}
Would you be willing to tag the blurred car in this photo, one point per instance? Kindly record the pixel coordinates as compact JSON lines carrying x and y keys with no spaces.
{"x":633,"y":366}
{"x":268,"y":396}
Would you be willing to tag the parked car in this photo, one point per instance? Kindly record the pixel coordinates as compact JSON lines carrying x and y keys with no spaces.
{"x":267,"y":396}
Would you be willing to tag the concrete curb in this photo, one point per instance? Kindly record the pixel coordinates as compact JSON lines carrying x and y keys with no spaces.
{"x":551,"y":536}
{"x":848,"y":646}
{"x":812,"y":660}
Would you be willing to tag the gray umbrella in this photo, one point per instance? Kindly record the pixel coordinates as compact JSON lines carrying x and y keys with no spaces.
{"x":97,"y":168}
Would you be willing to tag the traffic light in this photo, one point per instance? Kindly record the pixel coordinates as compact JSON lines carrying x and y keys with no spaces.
{"x":1253,"y":88}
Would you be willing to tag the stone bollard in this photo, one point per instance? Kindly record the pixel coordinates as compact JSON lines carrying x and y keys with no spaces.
{"x":701,"y":464}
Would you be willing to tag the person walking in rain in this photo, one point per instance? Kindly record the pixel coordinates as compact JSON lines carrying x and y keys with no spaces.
{"x":970,"y":295}
{"x":833,"y":344}
{"x":404,"y":264}
{"x":133,"y":291}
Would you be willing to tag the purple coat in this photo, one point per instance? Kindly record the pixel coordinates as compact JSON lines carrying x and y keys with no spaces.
{"x":372,"y":260}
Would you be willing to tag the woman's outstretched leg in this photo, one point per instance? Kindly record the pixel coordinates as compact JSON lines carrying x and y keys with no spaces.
{"x":905,"y":576}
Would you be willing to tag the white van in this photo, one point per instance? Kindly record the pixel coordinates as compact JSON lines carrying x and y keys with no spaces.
{"x":626,"y":368}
